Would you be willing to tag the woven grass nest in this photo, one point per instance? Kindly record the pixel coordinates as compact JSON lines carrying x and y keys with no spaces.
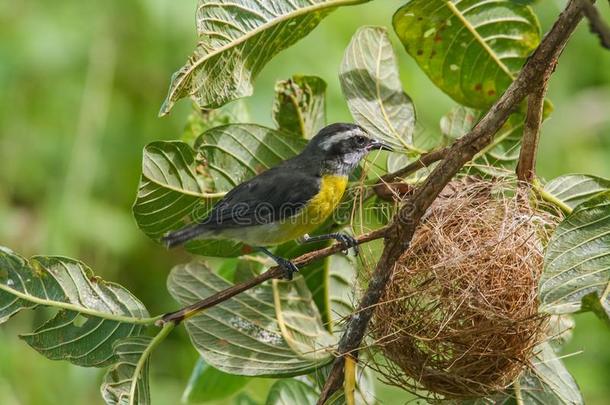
{"x":459,"y":318}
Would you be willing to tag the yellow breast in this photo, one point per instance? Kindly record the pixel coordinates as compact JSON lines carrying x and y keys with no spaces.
{"x":323,"y":204}
{"x":316,"y":211}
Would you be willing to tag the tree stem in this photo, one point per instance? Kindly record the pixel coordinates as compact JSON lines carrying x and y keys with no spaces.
{"x":518,"y":394}
{"x":596,"y":23}
{"x":159,"y":337}
{"x":526,"y":168}
{"x":548,"y":197}
{"x":424,"y":161}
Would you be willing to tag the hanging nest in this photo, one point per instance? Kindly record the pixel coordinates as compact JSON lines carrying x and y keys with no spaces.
{"x":460,"y":318}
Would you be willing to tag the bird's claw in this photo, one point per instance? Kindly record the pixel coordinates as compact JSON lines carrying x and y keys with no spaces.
{"x":348,"y":242}
{"x":288,"y":267}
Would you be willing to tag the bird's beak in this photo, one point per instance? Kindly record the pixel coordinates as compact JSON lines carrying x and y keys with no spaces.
{"x":375,"y":144}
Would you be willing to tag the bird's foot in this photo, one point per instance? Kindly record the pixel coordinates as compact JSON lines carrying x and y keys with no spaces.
{"x":348,"y":242}
{"x":287,"y":266}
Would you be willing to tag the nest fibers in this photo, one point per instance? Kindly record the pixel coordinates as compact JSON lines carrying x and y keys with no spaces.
{"x":460,"y":318}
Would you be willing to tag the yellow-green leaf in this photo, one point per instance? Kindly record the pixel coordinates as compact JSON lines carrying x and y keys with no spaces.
{"x":236,"y":39}
{"x":471,"y":49}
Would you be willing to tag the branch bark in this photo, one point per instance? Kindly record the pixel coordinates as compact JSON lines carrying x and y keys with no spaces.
{"x":526,"y":167}
{"x":400,"y":232}
{"x":423,"y":162}
{"x":274,"y":272}
{"x":596,"y":23}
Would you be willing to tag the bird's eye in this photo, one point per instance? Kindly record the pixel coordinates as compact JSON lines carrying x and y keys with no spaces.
{"x":360,"y":140}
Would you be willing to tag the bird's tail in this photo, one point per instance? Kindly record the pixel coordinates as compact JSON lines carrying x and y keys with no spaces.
{"x":183,"y":235}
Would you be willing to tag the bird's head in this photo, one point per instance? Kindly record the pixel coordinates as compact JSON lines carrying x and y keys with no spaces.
{"x":342,"y":146}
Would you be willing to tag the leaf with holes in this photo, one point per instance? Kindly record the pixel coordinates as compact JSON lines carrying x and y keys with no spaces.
{"x":577,"y":262}
{"x":573,"y":189}
{"x":300,"y":105}
{"x":235,"y":153}
{"x":471,"y":50}
{"x":93,"y":314}
{"x":119,"y":380}
{"x":236,"y":39}
{"x":371,"y":85}
{"x":242,"y":335}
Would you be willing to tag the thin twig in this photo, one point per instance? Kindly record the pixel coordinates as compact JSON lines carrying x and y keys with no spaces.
{"x":596,"y":23}
{"x":274,"y":272}
{"x":423,"y":162}
{"x":400,"y":232}
{"x":386,"y":186}
{"x":526,"y":168}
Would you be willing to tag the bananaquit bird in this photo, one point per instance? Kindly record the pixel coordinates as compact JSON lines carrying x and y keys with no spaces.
{"x":290,"y":200}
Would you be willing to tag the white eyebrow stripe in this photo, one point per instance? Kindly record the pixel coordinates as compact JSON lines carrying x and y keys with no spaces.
{"x":334,"y":139}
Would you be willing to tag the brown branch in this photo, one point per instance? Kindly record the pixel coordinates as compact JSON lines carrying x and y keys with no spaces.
{"x":526,"y":167}
{"x":424,"y":161}
{"x":274,"y":272}
{"x":400,"y":232}
{"x":596,"y":23}
{"x":388,"y":189}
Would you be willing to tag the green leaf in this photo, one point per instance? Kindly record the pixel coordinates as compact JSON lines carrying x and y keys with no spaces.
{"x":470,"y":49}
{"x":119,"y":379}
{"x":93,"y":314}
{"x":235,"y":153}
{"x":170,"y":189}
{"x":209,"y":384}
{"x":573,"y":189}
{"x":290,"y":392}
{"x":242,"y":335}
{"x":200,"y":121}
{"x":300,"y":105}
{"x":315,"y":274}
{"x":547,"y":381}
{"x":341,"y":284}
{"x":236,"y":39}
{"x":458,"y":122}
{"x":371,"y":85}
{"x":330,"y":281}
{"x":215,"y":247}
{"x":503,"y":152}
{"x":300,"y":321}
{"x":577,"y":262}
{"x":335,"y":290}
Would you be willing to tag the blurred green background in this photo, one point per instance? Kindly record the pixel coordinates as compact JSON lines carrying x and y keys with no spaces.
{"x":80,"y":87}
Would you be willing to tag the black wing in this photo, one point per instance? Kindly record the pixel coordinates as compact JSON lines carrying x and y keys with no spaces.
{"x":276,"y":194}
